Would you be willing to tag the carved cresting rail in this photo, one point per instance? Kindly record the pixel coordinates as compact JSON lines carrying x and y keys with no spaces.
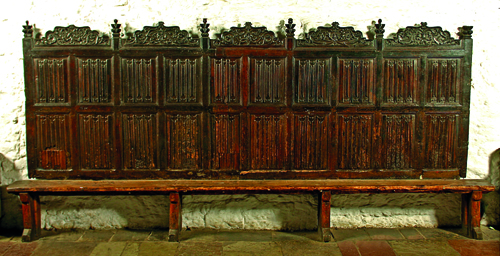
{"x":162,"y":104}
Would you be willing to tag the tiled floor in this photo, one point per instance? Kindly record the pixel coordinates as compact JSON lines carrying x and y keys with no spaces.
{"x":365,"y":242}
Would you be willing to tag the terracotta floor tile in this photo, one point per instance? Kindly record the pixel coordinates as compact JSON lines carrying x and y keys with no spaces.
{"x":475,"y":247}
{"x":374,"y":248}
{"x":21,"y":249}
{"x":364,"y":242}
{"x":348,"y":248}
{"x":350,"y":234}
{"x":4,"y":246}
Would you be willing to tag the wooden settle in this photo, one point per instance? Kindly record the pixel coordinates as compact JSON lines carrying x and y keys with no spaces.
{"x":161,"y":111}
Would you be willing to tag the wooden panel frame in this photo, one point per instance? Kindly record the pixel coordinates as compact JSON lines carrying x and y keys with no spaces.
{"x":394,"y":76}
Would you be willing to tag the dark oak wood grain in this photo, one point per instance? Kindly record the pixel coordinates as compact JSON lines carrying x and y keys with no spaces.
{"x":162,"y":111}
{"x":280,"y":186}
{"x":175,"y":221}
{"x":162,"y":103}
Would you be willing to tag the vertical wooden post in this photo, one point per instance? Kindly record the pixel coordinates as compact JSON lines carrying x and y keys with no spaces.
{"x":475,"y":215}
{"x":465,"y":35}
{"x":471,"y":214}
{"x":37,"y":217}
{"x":205,"y":39}
{"x":324,"y":216}
{"x":31,"y":217}
{"x":175,"y":224}
{"x":116,"y":29}
{"x":465,"y":214}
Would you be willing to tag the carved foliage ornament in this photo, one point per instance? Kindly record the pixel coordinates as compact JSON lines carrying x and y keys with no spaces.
{"x":334,"y":36}
{"x":422,"y":36}
{"x":161,"y":35}
{"x":248,"y":36}
{"x":72,"y":35}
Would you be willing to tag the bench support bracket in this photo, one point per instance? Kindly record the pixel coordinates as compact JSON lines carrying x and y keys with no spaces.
{"x":471,"y":214}
{"x":324,"y":216}
{"x":31,"y":216}
{"x":175,"y":224}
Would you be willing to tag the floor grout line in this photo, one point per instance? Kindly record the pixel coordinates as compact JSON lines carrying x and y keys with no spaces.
{"x":425,"y":238}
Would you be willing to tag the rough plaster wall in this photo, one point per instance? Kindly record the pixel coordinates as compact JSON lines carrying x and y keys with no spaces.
{"x":292,"y":212}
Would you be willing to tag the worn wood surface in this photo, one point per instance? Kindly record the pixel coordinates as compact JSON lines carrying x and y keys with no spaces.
{"x":471,"y":214}
{"x":340,"y":186}
{"x":324,"y":208}
{"x":475,"y":215}
{"x":175,"y":217}
{"x":250,"y":104}
{"x":31,"y":216}
{"x":164,"y":112}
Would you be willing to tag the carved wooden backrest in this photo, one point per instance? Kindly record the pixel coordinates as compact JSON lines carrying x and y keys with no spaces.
{"x":250,"y":104}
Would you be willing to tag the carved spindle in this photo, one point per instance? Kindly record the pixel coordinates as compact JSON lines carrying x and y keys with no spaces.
{"x":465,"y":32}
{"x":116,"y":28}
{"x":204,"y":28}
{"x":290,"y":28}
{"x":28,"y":30}
{"x":379,"y":29}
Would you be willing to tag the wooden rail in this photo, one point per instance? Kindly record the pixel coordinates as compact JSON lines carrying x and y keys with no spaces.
{"x":30,"y":191}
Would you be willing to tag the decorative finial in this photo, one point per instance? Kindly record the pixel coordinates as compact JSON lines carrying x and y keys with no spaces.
{"x":379,"y":28}
{"x":423,"y":24}
{"x":204,"y":28}
{"x":465,"y":32}
{"x":248,"y":24}
{"x":335,"y":24}
{"x":290,"y":28}
{"x":116,"y":28}
{"x":28,"y":30}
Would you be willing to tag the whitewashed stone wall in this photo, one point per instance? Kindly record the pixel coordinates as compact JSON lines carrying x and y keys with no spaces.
{"x":290,"y":212}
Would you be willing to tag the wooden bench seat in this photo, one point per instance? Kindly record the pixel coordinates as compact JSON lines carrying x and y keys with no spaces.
{"x":31,"y":190}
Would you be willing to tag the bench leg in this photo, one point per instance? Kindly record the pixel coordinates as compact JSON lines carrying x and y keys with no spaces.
{"x":471,"y":214}
{"x":31,"y":217}
{"x":324,"y":216}
{"x":175,"y":224}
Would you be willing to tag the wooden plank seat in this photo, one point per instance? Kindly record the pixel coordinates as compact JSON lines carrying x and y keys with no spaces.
{"x":31,"y":190}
